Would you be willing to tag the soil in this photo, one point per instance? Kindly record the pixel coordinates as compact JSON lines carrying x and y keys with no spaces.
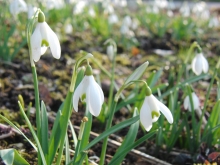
{"x":54,"y":79}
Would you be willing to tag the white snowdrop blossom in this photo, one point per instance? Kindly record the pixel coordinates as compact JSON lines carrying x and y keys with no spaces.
{"x":17,"y":6}
{"x":110,"y":51}
{"x":92,"y":12}
{"x":79,"y":7}
{"x":68,"y":29}
{"x":90,"y":92}
{"x":124,"y":30}
{"x":31,"y":10}
{"x":150,"y":111}
{"x":195,"y":100}
{"x":127,"y":21}
{"x":185,"y":9}
{"x":200,"y":64}
{"x":112,"y":19}
{"x":42,"y":38}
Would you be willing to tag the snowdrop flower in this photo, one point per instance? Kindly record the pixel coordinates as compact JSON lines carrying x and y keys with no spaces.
{"x":110,"y":51}
{"x":195,"y":100}
{"x":185,"y":10}
{"x":200,"y":64}
{"x":112,"y":19}
{"x":79,"y":7}
{"x":150,"y":110}
{"x":124,"y":30}
{"x":92,"y":12}
{"x":17,"y":6}
{"x":90,"y":92}
{"x":31,"y":11}
{"x":42,"y":38}
{"x":68,"y":28}
{"x":127,"y":21}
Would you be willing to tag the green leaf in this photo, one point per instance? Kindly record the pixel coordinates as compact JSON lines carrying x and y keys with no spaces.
{"x":118,"y":158}
{"x":14,"y":126}
{"x":42,"y":156}
{"x":179,"y":85}
{"x":12,"y":157}
{"x":60,"y":128}
{"x":44,"y":129}
{"x":86,"y":133}
{"x":129,"y":139}
{"x":137,"y":73}
{"x":112,"y":130}
{"x":67,"y":149}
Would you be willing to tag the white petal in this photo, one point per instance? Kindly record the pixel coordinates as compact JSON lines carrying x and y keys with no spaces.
{"x":53,"y":42}
{"x":152,"y":104}
{"x":205,"y":64}
{"x":196,"y":102}
{"x":145,"y":116}
{"x":197,"y":64}
{"x":43,"y":49}
{"x":165,"y":111}
{"x":186,"y":103}
{"x":76,"y":96}
{"x":100,"y":92}
{"x":36,"y":39}
{"x":80,"y":90}
{"x":43,"y":30}
{"x":93,"y":99}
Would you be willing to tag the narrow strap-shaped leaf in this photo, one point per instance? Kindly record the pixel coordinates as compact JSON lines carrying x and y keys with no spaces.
{"x":34,"y":135}
{"x":112,"y":130}
{"x":118,"y":158}
{"x":17,"y":129}
{"x":44,"y":129}
{"x":67,"y":151}
{"x":129,"y":139}
{"x":12,"y":157}
{"x":86,"y":133}
{"x":58,"y":137}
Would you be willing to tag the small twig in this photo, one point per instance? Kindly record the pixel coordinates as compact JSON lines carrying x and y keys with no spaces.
{"x":10,"y":64}
{"x":10,"y":130}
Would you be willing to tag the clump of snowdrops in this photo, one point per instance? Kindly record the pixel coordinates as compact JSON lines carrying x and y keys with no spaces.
{"x":52,"y":146}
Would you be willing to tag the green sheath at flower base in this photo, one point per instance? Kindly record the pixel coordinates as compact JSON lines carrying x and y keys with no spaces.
{"x":148,"y":92}
{"x":41,"y":17}
{"x":88,"y":71}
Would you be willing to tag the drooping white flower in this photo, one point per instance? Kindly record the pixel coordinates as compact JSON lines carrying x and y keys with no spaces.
{"x":90,"y":92}
{"x":185,"y":9}
{"x":92,"y":12}
{"x":195,"y":100}
{"x":112,"y":19}
{"x":17,"y":6}
{"x":42,"y":38}
{"x":200,"y":64}
{"x":127,"y":21}
{"x":110,"y":51}
{"x":79,"y":7}
{"x":150,"y":111}
{"x":68,"y":28}
{"x":31,"y":10}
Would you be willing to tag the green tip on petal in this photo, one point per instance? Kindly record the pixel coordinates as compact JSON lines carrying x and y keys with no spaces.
{"x":154,"y":114}
{"x":148,"y":92}
{"x":41,"y":17}
{"x":88,"y":71}
{"x":44,"y":43}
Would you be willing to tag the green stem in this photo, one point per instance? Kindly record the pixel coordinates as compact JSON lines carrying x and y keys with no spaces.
{"x":108,"y":125}
{"x":37,"y":105}
{"x":111,"y":90}
{"x":205,"y":104}
{"x":194,"y":45}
